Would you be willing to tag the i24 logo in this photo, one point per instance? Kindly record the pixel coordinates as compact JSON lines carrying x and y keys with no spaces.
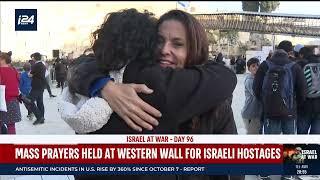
{"x":25,"y":19}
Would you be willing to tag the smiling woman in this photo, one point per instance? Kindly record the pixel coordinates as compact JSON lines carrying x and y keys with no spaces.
{"x":173,"y":44}
{"x":125,"y":48}
{"x":182,"y":40}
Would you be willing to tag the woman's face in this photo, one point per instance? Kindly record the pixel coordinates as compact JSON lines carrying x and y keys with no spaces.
{"x":2,"y":61}
{"x":172,"y":44}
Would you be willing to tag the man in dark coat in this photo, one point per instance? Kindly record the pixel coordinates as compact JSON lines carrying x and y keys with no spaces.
{"x":286,"y":125}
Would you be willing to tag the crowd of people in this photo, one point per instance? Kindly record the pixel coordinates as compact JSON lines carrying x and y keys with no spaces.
{"x":26,"y":87}
{"x":283,"y":92}
{"x":238,"y":65}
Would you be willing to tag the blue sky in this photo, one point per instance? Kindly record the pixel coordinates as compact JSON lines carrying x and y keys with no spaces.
{"x":288,"y":7}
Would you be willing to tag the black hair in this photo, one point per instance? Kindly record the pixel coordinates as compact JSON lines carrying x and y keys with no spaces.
{"x":232,"y":60}
{"x":252,"y":61}
{"x":27,"y":67}
{"x":306,"y":52}
{"x":36,"y":55}
{"x":125,"y":36}
{"x":219,"y":57}
{"x":286,"y":46}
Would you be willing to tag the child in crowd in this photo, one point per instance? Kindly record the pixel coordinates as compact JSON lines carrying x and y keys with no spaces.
{"x":251,"y":112}
{"x":25,"y":85}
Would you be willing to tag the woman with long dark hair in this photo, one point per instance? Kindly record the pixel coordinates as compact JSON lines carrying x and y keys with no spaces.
{"x":182,"y":79}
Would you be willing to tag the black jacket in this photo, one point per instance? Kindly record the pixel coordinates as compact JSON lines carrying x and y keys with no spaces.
{"x":61,"y":71}
{"x":218,"y":120}
{"x":38,"y":71}
{"x":181,"y":95}
{"x":311,"y":106}
{"x":240,"y":66}
{"x":298,"y":78}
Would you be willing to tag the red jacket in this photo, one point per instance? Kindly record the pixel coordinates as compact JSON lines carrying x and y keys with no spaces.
{"x":9,"y":77}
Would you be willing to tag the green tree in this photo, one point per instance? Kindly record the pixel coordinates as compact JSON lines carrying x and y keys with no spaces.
{"x":268,"y":6}
{"x":250,"y":6}
{"x":243,"y":47}
{"x":231,"y":36}
{"x":260,"y":6}
{"x":213,"y":36}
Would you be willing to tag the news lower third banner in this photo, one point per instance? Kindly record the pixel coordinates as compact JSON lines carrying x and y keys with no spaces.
{"x":143,"y":155}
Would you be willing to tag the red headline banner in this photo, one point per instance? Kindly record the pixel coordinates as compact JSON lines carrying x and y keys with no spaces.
{"x":140,"y":154}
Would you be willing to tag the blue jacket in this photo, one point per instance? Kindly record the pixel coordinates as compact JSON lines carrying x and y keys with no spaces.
{"x":25,"y":83}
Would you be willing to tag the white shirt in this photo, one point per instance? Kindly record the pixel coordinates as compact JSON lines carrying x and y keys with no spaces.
{"x":47,"y":72}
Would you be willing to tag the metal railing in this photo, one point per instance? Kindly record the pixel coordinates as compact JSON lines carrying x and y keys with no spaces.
{"x":266,"y":23}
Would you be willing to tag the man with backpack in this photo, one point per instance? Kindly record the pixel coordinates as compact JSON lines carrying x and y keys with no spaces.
{"x":280,"y":85}
{"x":309,"y":112}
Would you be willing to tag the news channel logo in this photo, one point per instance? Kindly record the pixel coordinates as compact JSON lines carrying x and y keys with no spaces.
{"x":300,"y":154}
{"x":26,"y":19}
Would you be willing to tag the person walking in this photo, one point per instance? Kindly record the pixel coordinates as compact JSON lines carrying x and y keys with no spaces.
{"x":38,"y":84}
{"x":47,"y":76}
{"x":61,"y":73}
{"x":9,"y":77}
{"x":25,"y":86}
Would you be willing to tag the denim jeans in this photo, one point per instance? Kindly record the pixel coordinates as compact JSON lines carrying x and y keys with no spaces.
{"x":276,"y":126}
{"x":308,"y":121}
{"x":252,"y":125}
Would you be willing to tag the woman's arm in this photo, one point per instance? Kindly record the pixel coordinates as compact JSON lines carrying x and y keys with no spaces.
{"x":190,"y":91}
{"x":82,"y":114}
{"x":185,"y":91}
{"x":123,"y":100}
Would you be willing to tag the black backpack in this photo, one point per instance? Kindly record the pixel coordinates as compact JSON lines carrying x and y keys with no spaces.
{"x":312,"y":75}
{"x":277,"y":91}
